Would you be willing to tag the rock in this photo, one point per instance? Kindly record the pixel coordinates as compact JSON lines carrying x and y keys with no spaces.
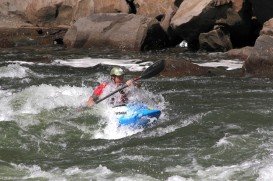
{"x":241,"y":53}
{"x":13,"y":21}
{"x":119,"y":31}
{"x":215,"y":40}
{"x":221,"y":2}
{"x":30,"y":36}
{"x":84,"y":8}
{"x":44,"y":13}
{"x":262,"y":9}
{"x":178,"y":2}
{"x":194,"y":17}
{"x":267,"y":28}
{"x":153,"y":8}
{"x":260,"y":61}
{"x":176,"y":68}
{"x":111,"y":6}
{"x":66,"y":12}
{"x":14,"y":7}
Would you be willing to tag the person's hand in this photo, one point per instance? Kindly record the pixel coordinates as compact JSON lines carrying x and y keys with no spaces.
{"x":90,"y":102}
{"x":129,"y":83}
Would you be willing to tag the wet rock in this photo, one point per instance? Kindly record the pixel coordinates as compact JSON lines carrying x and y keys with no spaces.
{"x":174,"y":68}
{"x":215,"y":40}
{"x":120,"y":31}
{"x":241,"y":53}
{"x":262,"y":9}
{"x":30,"y":36}
{"x":260,"y":61}
{"x":267,"y":28}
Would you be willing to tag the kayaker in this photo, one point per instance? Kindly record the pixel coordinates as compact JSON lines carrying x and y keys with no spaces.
{"x":117,"y":79}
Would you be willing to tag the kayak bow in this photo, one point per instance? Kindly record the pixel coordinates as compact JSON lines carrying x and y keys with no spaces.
{"x":136,"y":115}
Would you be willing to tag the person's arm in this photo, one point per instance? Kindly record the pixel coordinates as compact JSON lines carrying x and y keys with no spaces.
{"x":91,"y":101}
{"x":95,"y":96}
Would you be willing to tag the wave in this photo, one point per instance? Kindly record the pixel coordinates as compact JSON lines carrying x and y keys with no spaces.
{"x":14,"y":71}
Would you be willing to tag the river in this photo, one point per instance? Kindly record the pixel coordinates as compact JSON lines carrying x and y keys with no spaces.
{"x":211,"y":128}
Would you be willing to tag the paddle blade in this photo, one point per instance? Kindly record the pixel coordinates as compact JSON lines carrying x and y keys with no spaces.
{"x":153,"y":70}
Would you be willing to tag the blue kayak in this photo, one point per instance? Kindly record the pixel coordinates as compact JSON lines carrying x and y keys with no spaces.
{"x":136,"y":115}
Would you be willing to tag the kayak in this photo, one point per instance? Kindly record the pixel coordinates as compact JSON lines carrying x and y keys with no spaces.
{"x":136,"y":115}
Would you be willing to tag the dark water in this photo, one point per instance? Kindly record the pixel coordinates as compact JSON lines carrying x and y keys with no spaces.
{"x":212,"y":128}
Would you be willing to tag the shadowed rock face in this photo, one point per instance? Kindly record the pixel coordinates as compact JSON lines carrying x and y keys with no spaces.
{"x":262,"y":9}
{"x":215,"y":40}
{"x":122,"y":31}
{"x":194,"y":17}
{"x":30,"y":36}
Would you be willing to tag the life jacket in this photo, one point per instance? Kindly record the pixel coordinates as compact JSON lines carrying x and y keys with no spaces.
{"x":99,"y":89}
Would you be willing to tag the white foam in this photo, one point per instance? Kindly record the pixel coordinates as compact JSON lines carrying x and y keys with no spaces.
{"x":266,"y":173}
{"x":35,"y":172}
{"x":112,"y":130}
{"x":214,"y":172}
{"x":225,"y":141}
{"x":138,"y":158}
{"x":35,"y":99}
{"x":20,"y":62}
{"x":230,"y":64}
{"x":131,"y":64}
{"x":178,"y":178}
{"x":14,"y":71}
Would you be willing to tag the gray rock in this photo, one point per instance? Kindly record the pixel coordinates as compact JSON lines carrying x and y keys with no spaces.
{"x":119,"y":31}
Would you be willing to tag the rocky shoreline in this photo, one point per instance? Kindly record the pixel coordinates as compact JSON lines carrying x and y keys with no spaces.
{"x":242,"y":28}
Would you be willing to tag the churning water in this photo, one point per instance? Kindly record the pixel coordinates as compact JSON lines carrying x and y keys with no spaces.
{"x":211,"y":128}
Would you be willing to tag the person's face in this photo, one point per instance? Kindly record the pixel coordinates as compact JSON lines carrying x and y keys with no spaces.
{"x":118,"y":79}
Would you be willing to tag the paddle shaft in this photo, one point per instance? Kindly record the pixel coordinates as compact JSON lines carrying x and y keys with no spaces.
{"x":119,"y":89}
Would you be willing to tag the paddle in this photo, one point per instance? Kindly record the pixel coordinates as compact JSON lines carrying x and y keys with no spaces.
{"x":151,"y":71}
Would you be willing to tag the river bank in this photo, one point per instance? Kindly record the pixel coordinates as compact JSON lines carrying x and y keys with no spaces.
{"x":210,"y":25}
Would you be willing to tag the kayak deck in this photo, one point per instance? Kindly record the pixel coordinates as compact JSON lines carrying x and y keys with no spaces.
{"x":136,"y":115}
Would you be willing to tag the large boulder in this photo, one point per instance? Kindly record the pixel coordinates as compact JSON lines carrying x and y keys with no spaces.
{"x":175,"y":68}
{"x":66,"y":12}
{"x":260,"y":61}
{"x":194,"y":17}
{"x":153,"y":8}
{"x":240,"y":53}
{"x":15,"y":7}
{"x":215,"y":40}
{"x":120,"y":31}
{"x":111,"y":6}
{"x":45,"y":13}
{"x":262,"y":9}
{"x":267,"y":28}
